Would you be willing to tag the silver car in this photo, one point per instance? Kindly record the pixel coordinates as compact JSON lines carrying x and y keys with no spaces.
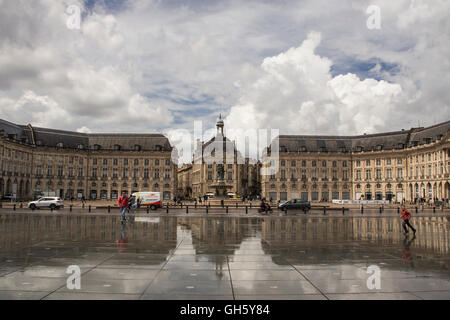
{"x":47,"y":202}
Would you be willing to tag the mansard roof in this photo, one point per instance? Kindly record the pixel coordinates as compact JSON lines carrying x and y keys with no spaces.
{"x":46,"y":137}
{"x":368,"y":142}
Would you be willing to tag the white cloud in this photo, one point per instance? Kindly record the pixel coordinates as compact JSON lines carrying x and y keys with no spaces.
{"x":84,"y":130}
{"x":174,"y":62}
{"x":297,"y":94}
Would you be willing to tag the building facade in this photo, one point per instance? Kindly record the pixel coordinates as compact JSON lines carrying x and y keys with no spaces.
{"x":404,"y":165}
{"x":184,"y":179}
{"x":40,"y":161}
{"x":241,"y":174}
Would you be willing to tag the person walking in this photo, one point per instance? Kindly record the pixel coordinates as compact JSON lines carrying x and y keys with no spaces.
{"x":406,"y":216}
{"x":123,"y":205}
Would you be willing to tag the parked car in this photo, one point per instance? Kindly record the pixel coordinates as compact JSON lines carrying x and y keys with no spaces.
{"x":295,"y":204}
{"x":47,"y":202}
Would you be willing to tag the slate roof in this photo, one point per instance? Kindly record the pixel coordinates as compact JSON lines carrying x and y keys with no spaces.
{"x":369,"y":142}
{"x":73,"y":140}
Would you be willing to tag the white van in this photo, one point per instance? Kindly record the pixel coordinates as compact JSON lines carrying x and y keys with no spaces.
{"x":148,"y":199}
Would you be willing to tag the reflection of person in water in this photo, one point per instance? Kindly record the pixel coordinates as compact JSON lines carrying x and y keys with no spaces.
{"x":406,"y":254}
{"x":123,"y":241}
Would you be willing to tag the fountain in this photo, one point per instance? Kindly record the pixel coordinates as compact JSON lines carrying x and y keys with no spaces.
{"x":220,"y":187}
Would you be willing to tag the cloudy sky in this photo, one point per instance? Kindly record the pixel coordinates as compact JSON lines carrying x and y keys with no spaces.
{"x":303,"y":67}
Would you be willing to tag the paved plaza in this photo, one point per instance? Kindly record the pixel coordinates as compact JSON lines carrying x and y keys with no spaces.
{"x":195,"y":256}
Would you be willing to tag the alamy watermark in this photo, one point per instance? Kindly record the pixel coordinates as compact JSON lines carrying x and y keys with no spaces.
{"x":73,"y":21}
{"x":74,"y":280}
{"x":374,"y":20}
{"x":219,"y":149}
{"x":374,"y":280}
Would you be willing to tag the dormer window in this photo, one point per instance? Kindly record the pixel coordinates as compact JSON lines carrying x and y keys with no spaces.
{"x":400,"y":146}
{"x":303,"y":149}
{"x":344,"y":150}
{"x":96,"y":147}
{"x":116,"y":147}
{"x":359,"y":149}
{"x":323,"y":149}
{"x":137,"y":147}
{"x":39,"y":142}
{"x":158,"y":147}
{"x":283,"y":149}
{"x":60,"y":145}
{"x":379,"y":147}
{"x":427,"y":140}
{"x":80,"y":146}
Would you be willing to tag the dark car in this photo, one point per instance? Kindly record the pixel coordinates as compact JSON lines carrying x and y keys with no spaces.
{"x":8,"y":197}
{"x":295,"y":204}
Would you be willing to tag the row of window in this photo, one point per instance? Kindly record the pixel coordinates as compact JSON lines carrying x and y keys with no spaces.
{"x":430,"y":170}
{"x":293,"y":163}
{"x":314,"y":173}
{"x":115,"y":173}
{"x":387,"y":162}
{"x":430,"y":156}
{"x":378,"y":174}
{"x":105,"y":161}
{"x":16,"y":154}
{"x":309,"y":196}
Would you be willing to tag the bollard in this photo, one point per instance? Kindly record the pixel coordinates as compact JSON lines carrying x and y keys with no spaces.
{"x":236,"y":205}
{"x":51,"y":208}
{"x":148,"y":209}
{"x":380,"y":210}
{"x":398,"y":209}
{"x":422,"y":207}
{"x":343,"y":211}
{"x":14,"y":208}
{"x":21,"y":205}
{"x":82,"y":206}
{"x":417,"y":210}
{"x":109,"y":209}
{"x":89,"y":208}
{"x":167,"y":208}
{"x":206,"y":209}
{"x":181,"y":204}
{"x":362,"y":209}
{"x":246,"y":210}
{"x":187,"y":209}
{"x":324,"y":210}
{"x":250,"y":205}
{"x":70,"y":208}
{"x":434,"y":209}
{"x":226,"y":209}
{"x":195,"y":205}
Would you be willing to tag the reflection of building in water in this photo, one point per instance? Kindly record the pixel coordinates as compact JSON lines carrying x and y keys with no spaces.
{"x":18,"y":231}
{"x":433,"y":232}
{"x":218,"y":237}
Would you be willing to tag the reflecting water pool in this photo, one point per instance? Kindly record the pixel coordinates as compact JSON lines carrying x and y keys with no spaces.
{"x":223,"y":257}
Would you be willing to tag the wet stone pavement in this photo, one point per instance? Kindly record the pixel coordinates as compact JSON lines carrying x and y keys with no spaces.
{"x":167,"y":257}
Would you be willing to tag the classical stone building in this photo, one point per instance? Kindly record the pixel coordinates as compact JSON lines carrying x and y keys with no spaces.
{"x":36,"y":161}
{"x":184,"y":179}
{"x":401,"y":165}
{"x":220,"y":153}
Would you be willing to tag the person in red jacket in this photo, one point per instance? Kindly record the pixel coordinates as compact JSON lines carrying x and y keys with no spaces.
{"x":123,"y":205}
{"x":406,"y":215}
